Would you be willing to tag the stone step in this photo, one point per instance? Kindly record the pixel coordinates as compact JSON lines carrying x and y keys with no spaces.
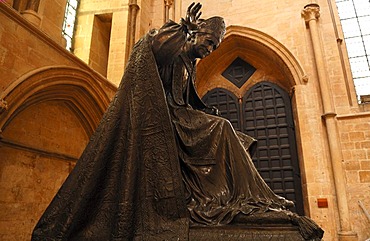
{"x":282,"y":232}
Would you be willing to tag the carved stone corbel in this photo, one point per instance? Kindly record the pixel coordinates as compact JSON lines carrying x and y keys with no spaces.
{"x":3,"y":105}
{"x":305,"y":79}
{"x":311,"y":12}
{"x":168,"y":2}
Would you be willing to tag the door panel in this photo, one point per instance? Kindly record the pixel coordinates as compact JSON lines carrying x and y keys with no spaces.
{"x":227,"y":103}
{"x":265,"y":113}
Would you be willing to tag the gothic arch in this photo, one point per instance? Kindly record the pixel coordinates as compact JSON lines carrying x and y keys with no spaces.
{"x":271,"y":59}
{"x":257,"y":48}
{"x":84,"y":93}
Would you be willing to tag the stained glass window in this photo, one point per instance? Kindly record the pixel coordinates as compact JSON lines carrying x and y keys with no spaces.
{"x":355,"y":20}
{"x":69,"y":22}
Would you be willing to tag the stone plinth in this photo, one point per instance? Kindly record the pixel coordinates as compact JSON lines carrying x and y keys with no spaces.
{"x":283,"y":232}
{"x":272,"y":226}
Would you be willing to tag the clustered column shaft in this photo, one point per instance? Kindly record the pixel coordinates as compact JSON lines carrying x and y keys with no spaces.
{"x":311,"y":13}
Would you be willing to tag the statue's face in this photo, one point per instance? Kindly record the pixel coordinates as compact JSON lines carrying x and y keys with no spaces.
{"x":204,"y":43}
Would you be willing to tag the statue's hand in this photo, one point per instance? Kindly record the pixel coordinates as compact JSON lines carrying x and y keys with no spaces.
{"x":192,"y":16}
{"x":213,"y":111}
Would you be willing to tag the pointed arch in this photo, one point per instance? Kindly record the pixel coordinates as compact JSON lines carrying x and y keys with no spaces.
{"x":277,"y":68}
{"x":256,"y":48}
{"x":86,"y":94}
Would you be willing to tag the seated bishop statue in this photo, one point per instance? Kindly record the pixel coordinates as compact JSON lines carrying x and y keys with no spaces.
{"x":162,"y":161}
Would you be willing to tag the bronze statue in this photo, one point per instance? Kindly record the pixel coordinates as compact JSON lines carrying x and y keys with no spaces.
{"x":161,"y":160}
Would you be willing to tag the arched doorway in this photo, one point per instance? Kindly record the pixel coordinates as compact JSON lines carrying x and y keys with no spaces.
{"x":265,"y":113}
{"x":48,"y":118}
{"x":233,"y":78}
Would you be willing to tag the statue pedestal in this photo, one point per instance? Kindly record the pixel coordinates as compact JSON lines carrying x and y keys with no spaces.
{"x":272,"y":226}
{"x":283,"y":232}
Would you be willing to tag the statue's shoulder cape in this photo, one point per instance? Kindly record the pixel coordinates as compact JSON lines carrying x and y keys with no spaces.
{"x":127,"y":184}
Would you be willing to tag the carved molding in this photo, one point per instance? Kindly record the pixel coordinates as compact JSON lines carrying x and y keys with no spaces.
{"x":19,"y":20}
{"x":37,"y":150}
{"x":328,"y":115}
{"x":305,"y":78}
{"x":3,"y":105}
{"x":311,"y":12}
{"x":248,"y":39}
{"x":292,"y":91}
{"x":75,"y":87}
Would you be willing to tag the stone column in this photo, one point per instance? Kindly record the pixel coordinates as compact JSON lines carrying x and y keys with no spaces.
{"x":167,"y":6}
{"x":132,"y":14}
{"x":31,"y":12}
{"x":311,"y":13}
{"x":33,"y":5}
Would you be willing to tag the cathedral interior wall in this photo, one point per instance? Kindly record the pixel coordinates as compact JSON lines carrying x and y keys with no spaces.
{"x":38,"y":150}
{"x":41,"y":142}
{"x":49,"y":103}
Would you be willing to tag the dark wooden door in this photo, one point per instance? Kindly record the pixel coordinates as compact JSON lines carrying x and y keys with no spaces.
{"x":265,"y":113}
{"x":227,"y":103}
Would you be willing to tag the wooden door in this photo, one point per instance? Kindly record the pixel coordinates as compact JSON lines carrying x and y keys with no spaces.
{"x":265,"y":113}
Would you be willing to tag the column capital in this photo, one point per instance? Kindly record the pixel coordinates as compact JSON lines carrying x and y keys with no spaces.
{"x":133,"y":4}
{"x":168,"y":2}
{"x":311,"y":12}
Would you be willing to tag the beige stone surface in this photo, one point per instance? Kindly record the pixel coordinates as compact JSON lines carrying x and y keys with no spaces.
{"x":52,"y":13}
{"x":32,"y":169}
{"x":272,"y":35}
{"x":117,"y":49}
{"x":354,"y":132}
{"x":101,"y":44}
{"x":28,"y":183}
{"x":50,"y":102}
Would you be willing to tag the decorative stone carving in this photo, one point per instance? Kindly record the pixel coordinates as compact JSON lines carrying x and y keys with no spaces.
{"x":305,"y":79}
{"x":3,"y":105}
{"x":311,"y":12}
{"x":168,"y":2}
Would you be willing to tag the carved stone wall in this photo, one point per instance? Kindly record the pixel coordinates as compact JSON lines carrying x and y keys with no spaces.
{"x":50,"y":103}
{"x":297,"y":46}
{"x":45,"y":125}
{"x":38,"y":150}
{"x":108,"y":58}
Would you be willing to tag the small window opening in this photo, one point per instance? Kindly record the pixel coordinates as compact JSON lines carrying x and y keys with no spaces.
{"x":355,"y":20}
{"x":100,"y":42}
{"x":70,"y":17}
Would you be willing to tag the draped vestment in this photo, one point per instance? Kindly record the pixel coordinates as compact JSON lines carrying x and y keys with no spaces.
{"x":157,"y":161}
